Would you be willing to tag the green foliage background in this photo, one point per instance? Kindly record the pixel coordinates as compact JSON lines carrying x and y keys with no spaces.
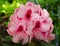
{"x":7,"y":8}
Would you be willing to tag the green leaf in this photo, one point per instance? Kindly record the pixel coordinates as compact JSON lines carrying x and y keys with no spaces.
{"x":8,"y":38}
{"x":31,"y":44}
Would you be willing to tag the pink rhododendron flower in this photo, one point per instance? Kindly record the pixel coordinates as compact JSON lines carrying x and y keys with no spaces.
{"x":30,"y":21}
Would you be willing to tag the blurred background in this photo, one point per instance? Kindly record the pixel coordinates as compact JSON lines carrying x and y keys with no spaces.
{"x":7,"y":8}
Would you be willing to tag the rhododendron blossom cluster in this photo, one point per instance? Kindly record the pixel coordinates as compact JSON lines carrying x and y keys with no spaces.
{"x":30,"y":21}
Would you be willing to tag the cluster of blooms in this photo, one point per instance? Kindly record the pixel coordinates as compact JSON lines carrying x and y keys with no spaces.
{"x":30,"y":21}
